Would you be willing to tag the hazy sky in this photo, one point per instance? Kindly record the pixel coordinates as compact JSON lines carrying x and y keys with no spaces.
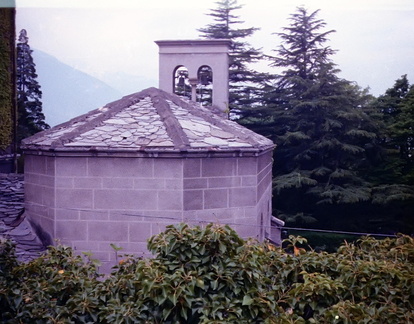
{"x":374,"y":38}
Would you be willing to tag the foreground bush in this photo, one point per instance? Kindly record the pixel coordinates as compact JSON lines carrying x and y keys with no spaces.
{"x":210,"y":275}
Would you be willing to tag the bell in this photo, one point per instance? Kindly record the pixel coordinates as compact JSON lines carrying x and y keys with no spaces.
{"x":204,"y":79}
{"x":181,"y":81}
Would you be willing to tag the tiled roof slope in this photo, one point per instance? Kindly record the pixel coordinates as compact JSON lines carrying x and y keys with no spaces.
{"x":152,"y":120}
{"x":13,"y":223}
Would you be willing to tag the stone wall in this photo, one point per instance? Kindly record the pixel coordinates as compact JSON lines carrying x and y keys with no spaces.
{"x":229,"y":190}
{"x":40,"y":191}
{"x":90,"y":202}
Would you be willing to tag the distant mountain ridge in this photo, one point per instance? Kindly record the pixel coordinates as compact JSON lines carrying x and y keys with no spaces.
{"x":127,"y":83}
{"x":68,"y":92}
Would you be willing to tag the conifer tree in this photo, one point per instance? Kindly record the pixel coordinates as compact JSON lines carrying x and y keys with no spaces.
{"x":318,"y":122}
{"x":396,"y":107}
{"x":30,"y":116}
{"x":386,"y":109}
{"x":244,"y":82}
{"x":403,"y":134}
{"x":388,"y":102}
{"x":393,"y":192}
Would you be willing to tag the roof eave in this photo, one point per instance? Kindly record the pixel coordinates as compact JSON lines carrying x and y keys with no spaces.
{"x":147,"y":151}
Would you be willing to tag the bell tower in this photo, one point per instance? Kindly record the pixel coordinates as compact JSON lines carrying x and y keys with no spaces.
{"x":194,"y":67}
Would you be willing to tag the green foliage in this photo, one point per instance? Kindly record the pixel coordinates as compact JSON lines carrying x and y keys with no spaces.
{"x":31,"y":119}
{"x":319,"y":125}
{"x":244,"y":82}
{"x":217,"y":276}
{"x":369,"y":281}
{"x":395,"y":110}
{"x":329,"y":163}
{"x":49,"y":289}
{"x":199,"y":275}
{"x":393,"y":175}
{"x":210,"y":275}
{"x":6,"y":75}
{"x":401,"y":132}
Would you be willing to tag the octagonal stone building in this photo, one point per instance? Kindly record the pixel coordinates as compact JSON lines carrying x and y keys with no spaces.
{"x":119,"y":174}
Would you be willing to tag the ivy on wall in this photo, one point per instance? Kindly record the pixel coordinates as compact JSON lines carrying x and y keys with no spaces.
{"x":6,"y":75}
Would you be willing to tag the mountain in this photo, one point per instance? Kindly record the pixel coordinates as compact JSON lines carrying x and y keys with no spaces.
{"x":127,"y":83}
{"x":68,"y":92}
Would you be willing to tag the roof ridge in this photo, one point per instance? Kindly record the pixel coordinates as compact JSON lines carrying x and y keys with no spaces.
{"x":216,"y":120}
{"x":172,"y":125}
{"x":113,"y":108}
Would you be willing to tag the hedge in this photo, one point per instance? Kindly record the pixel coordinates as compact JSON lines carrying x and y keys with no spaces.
{"x":210,"y":275}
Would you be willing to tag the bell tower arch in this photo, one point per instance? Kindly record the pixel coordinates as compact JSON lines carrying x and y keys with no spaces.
{"x":194,"y":55}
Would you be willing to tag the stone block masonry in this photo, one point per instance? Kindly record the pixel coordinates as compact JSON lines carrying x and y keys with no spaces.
{"x":95,"y":201}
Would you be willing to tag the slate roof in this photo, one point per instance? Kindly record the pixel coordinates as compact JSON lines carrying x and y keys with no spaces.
{"x":13,"y":223}
{"x":153,"y":121}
